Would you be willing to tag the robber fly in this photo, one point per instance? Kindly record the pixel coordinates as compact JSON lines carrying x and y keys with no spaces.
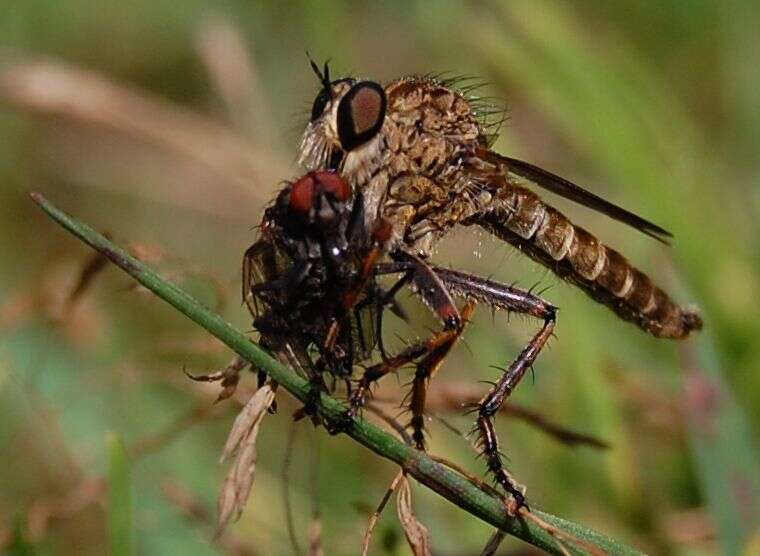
{"x":418,"y":151}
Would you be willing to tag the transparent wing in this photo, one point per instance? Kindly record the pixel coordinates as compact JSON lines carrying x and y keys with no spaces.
{"x":556,"y":184}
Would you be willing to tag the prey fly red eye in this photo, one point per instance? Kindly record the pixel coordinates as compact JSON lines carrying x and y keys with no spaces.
{"x":306,"y":190}
{"x":302,"y":195}
{"x":332,"y":183}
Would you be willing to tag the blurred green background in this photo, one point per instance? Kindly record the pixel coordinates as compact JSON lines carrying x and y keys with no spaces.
{"x":170,"y":125}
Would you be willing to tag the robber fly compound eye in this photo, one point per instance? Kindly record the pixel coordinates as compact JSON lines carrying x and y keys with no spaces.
{"x":360,"y":114}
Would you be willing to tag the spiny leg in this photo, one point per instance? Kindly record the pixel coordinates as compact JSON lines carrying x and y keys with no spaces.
{"x":426,"y":369}
{"x":513,"y":299}
{"x":493,"y":400}
{"x":388,"y":299}
{"x":429,"y":286}
{"x":438,"y":299}
{"x":392,"y":364}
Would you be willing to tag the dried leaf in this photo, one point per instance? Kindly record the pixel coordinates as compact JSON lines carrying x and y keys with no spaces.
{"x":376,"y":515}
{"x":242,"y":443}
{"x":214,"y":376}
{"x":226,"y":504}
{"x":230,"y":376}
{"x":416,"y":533}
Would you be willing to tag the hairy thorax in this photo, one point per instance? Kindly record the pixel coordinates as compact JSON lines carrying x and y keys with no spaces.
{"x":417,"y":184}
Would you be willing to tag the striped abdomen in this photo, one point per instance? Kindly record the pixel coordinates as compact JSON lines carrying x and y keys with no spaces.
{"x":520,"y":217}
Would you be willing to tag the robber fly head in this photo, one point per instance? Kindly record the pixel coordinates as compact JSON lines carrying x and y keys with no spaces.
{"x":346,"y":119}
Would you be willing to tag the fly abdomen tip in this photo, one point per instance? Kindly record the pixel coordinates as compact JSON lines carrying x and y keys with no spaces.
{"x":679,"y":325}
{"x":691,"y":320}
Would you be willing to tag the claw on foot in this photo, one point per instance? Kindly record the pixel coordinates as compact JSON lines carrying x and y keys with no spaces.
{"x":355,"y":403}
{"x":341,"y":425}
{"x":309,"y":409}
{"x":515,"y":501}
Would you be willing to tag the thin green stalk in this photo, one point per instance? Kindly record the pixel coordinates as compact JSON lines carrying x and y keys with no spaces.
{"x":439,"y":478}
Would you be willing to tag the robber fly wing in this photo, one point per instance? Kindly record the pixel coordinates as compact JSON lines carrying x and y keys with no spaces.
{"x":515,"y":168}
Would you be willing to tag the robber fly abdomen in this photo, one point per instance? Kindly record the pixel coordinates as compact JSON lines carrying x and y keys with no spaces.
{"x":519,"y":217}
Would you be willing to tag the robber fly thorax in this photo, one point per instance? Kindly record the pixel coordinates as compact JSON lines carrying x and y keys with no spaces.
{"x":419,"y":152}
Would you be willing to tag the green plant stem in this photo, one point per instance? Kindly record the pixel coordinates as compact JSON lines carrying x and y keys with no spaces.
{"x":439,"y":478}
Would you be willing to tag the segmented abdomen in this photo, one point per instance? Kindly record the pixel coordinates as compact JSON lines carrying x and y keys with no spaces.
{"x":521,"y":218}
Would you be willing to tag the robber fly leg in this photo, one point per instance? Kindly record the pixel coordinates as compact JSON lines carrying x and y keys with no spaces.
{"x":316,"y":387}
{"x":488,"y":443}
{"x":392,"y":364}
{"x":426,"y":368}
{"x":510,"y":298}
{"x":388,"y":299}
{"x":432,"y":351}
{"x":492,"y":401}
{"x":434,"y":293}
{"x":437,"y":297}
